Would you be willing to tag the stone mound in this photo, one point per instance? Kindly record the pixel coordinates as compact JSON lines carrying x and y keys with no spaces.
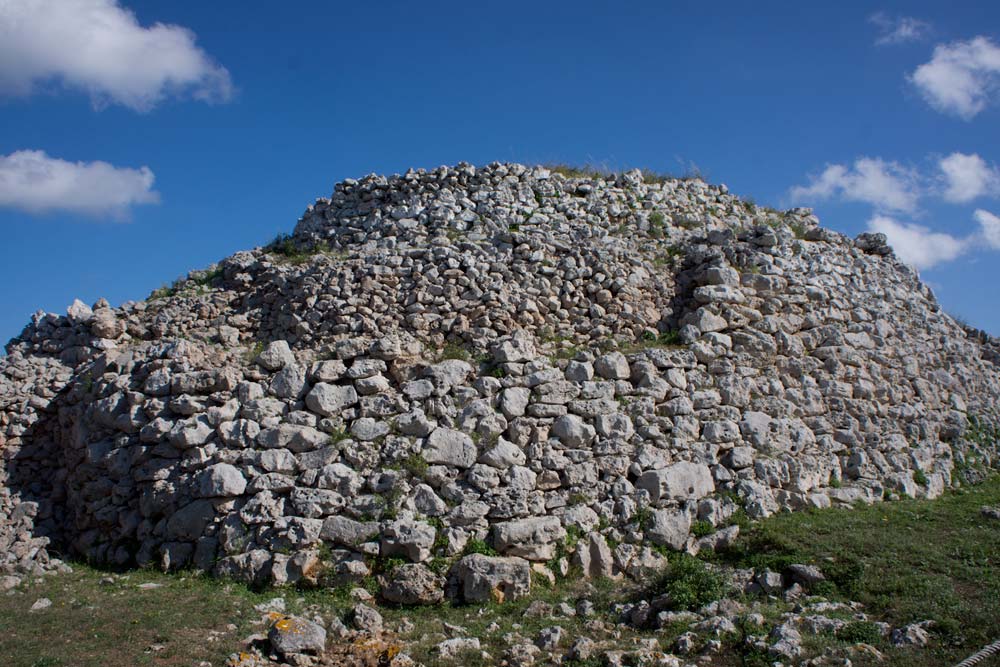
{"x":478,"y":371}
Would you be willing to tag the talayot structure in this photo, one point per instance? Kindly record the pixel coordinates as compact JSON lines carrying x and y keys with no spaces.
{"x":475,"y":359}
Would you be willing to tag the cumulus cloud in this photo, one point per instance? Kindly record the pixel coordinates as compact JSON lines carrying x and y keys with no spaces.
{"x":960,"y":77}
{"x":918,"y":245}
{"x":899,"y":29}
{"x":886,"y":185}
{"x":34,"y":182}
{"x":967,"y":177}
{"x":99,"y":47}
{"x":989,"y":227}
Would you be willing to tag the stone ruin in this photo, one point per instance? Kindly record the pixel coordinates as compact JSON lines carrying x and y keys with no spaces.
{"x":458,"y":368}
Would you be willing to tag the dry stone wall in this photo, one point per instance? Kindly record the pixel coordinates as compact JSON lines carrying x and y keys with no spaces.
{"x":481,"y":371}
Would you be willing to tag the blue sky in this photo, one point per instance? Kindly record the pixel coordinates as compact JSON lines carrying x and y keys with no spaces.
{"x":140,"y":140}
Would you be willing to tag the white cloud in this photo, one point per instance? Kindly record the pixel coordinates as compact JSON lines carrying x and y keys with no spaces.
{"x":967,"y":177}
{"x":898,"y":30}
{"x":960,"y":77}
{"x":917,"y":245}
{"x":989,"y":226}
{"x":34,"y":182}
{"x":99,"y":47}
{"x":885,"y":185}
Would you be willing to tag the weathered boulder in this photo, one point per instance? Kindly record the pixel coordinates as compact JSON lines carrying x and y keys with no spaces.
{"x":221,"y":479}
{"x":669,"y":528}
{"x":450,"y":447}
{"x":533,"y":539}
{"x":291,"y":635}
{"x":412,"y":539}
{"x":680,"y":481}
{"x":276,"y":356}
{"x":330,"y":400}
{"x":413,"y":584}
{"x":482,"y":578}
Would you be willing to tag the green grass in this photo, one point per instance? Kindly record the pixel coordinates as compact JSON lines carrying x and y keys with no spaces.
{"x":688,"y":583}
{"x":91,"y":624}
{"x":292,"y":252}
{"x":906,"y":561}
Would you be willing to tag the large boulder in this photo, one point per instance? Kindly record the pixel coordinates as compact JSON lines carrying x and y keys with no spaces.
{"x":276,"y":356}
{"x":221,"y":480}
{"x":293,"y":437}
{"x":189,"y":522}
{"x":449,"y":447}
{"x":669,"y":528}
{"x":330,"y":400}
{"x":572,"y":431}
{"x":348,"y":532}
{"x":680,"y":481}
{"x":534,"y":538}
{"x":413,"y":584}
{"x":520,"y":347}
{"x":412,"y":539}
{"x":290,"y":635}
{"x":482,"y":578}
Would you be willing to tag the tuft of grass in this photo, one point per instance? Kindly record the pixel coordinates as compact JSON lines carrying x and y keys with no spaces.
{"x":166,"y":291}
{"x":657,"y":224}
{"x":254,"y":352}
{"x":291,"y":251}
{"x":454,"y":351}
{"x":689,"y":584}
{"x":702,"y":528}
{"x":475,"y":546}
{"x":860,"y":632}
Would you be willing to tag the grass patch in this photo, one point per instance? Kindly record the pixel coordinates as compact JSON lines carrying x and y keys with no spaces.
{"x":118,"y":624}
{"x":689,"y":583}
{"x":454,"y":351}
{"x":906,"y":561}
{"x":291,"y":251}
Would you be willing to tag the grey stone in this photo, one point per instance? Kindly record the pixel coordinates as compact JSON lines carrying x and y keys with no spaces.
{"x":489,"y":578}
{"x":680,"y":481}
{"x":348,"y":532}
{"x":449,"y":447}
{"x":293,"y":438}
{"x":221,"y":480}
{"x":612,"y":366}
{"x":189,"y":522}
{"x":331,"y":400}
{"x":669,"y":528}
{"x":533,"y":538}
{"x":413,"y":584}
{"x":276,"y":356}
{"x":412,"y":539}
{"x":572,"y":431}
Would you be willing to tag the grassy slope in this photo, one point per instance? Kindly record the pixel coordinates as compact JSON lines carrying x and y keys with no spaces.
{"x":906,"y":561}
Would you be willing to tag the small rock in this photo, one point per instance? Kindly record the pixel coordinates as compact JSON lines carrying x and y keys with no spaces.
{"x":366,"y":619}
{"x":276,"y":356}
{"x":41,"y":603}
{"x":291,"y":634}
{"x":914,"y":634}
{"x":413,"y":584}
{"x":549,"y":638}
{"x":452,"y":648}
